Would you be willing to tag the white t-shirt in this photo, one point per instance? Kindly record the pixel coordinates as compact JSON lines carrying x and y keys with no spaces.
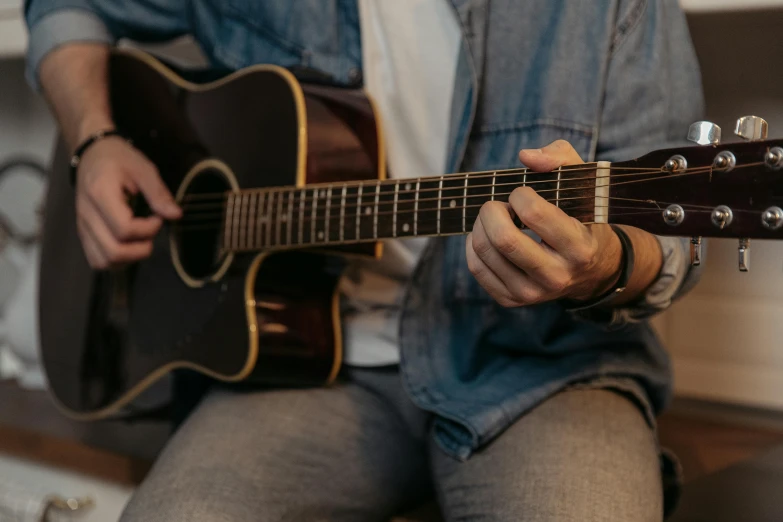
{"x":409,"y":53}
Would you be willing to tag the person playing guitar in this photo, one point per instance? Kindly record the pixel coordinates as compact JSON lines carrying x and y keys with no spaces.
{"x":511,"y":371}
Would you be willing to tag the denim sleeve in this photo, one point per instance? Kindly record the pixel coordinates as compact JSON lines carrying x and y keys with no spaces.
{"x":653,"y":94}
{"x":52,"y":23}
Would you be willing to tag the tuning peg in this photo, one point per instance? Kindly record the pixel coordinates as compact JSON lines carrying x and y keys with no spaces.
{"x":704,"y":133}
{"x":751,"y":128}
{"x":772,"y":218}
{"x":695,"y":251}
{"x":744,"y":254}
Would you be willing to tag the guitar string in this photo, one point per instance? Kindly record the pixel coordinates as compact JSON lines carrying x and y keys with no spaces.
{"x":434,"y":179}
{"x":458,"y":219}
{"x":460,"y":192}
{"x":371,"y":192}
{"x":371,"y":185}
{"x":201,"y":215}
{"x":350,"y":219}
{"x":421,"y":222}
{"x":326,"y":241}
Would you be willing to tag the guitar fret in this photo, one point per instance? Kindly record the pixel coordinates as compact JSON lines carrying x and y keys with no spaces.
{"x":375,"y":214}
{"x":494,"y":175}
{"x":269,"y":207}
{"x":246,"y":221}
{"x":579,"y":183}
{"x":227,"y":239}
{"x":251,"y":220}
{"x":290,"y":214}
{"x":465,"y":205}
{"x":235,"y":224}
{"x":260,"y":215}
{"x":242,"y":221}
{"x":440,"y":200}
{"x":359,"y":212}
{"x":394,"y":211}
{"x":557,"y":192}
{"x":328,"y":212}
{"x":302,"y":196}
{"x":342,"y":214}
{"x":279,"y":216}
{"x":416,"y":210}
{"x":312,"y":217}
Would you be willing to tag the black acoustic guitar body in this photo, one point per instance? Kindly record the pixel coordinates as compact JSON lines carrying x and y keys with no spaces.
{"x":270,"y":318}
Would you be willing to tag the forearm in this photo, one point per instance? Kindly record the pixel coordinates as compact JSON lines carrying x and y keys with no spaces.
{"x":74,"y":81}
{"x":55,"y":24}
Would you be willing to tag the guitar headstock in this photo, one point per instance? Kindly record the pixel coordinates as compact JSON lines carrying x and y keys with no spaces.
{"x":732,"y":190}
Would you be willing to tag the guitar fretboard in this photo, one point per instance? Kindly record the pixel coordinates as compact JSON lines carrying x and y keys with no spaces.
{"x":354,"y":212}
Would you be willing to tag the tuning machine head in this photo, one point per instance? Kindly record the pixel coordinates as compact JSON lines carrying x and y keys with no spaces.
{"x":704,"y":133}
{"x":751,"y":128}
{"x":744,"y":254}
{"x":696,"y":251}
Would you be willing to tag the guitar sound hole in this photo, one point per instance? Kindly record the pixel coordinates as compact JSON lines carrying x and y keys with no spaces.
{"x":199,"y":233}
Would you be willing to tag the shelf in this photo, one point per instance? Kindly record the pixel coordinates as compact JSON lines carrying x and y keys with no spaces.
{"x":709,"y":6}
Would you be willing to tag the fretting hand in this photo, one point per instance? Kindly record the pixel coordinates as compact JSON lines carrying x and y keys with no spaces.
{"x":573,"y":261}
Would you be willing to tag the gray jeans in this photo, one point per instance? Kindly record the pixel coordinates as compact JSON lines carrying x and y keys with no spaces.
{"x":360,"y":452}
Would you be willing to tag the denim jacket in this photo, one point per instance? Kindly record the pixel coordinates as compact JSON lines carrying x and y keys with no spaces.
{"x":616,"y":78}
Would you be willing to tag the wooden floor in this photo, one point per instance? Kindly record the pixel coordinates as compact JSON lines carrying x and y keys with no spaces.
{"x":705,"y":446}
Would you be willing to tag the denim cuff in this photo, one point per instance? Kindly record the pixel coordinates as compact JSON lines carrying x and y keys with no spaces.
{"x":58,"y":28}
{"x":675,"y":278}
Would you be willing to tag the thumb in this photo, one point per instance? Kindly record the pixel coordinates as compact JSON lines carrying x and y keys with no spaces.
{"x":554,"y":155}
{"x":157,"y":194}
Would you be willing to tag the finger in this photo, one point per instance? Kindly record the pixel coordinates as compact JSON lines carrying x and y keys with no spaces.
{"x":554,"y":155}
{"x":110,"y":201}
{"x":566,"y":235}
{"x":157,"y":194}
{"x":526,"y":269}
{"x":486,"y":278}
{"x":112,"y":250}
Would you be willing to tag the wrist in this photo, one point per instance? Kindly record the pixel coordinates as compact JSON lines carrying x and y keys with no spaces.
{"x":619,"y":256}
{"x":91,"y":125}
{"x":85,"y":145}
{"x":607,"y":271}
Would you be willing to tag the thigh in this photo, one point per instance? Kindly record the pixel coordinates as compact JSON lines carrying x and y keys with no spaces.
{"x":295,"y":455}
{"x":586,"y":455}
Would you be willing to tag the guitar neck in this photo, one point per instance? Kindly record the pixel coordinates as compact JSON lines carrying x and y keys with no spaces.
{"x":356,"y":212}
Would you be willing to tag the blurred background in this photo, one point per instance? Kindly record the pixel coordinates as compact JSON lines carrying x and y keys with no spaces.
{"x":725,"y":337}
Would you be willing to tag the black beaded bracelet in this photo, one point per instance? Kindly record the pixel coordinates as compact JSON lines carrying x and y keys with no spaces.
{"x":627,"y":264}
{"x":76,"y":159}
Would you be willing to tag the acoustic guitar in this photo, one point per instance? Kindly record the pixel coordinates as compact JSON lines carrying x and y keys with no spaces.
{"x":281,"y":180}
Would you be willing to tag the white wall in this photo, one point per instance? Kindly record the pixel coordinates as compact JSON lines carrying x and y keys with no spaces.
{"x":26,"y":130}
